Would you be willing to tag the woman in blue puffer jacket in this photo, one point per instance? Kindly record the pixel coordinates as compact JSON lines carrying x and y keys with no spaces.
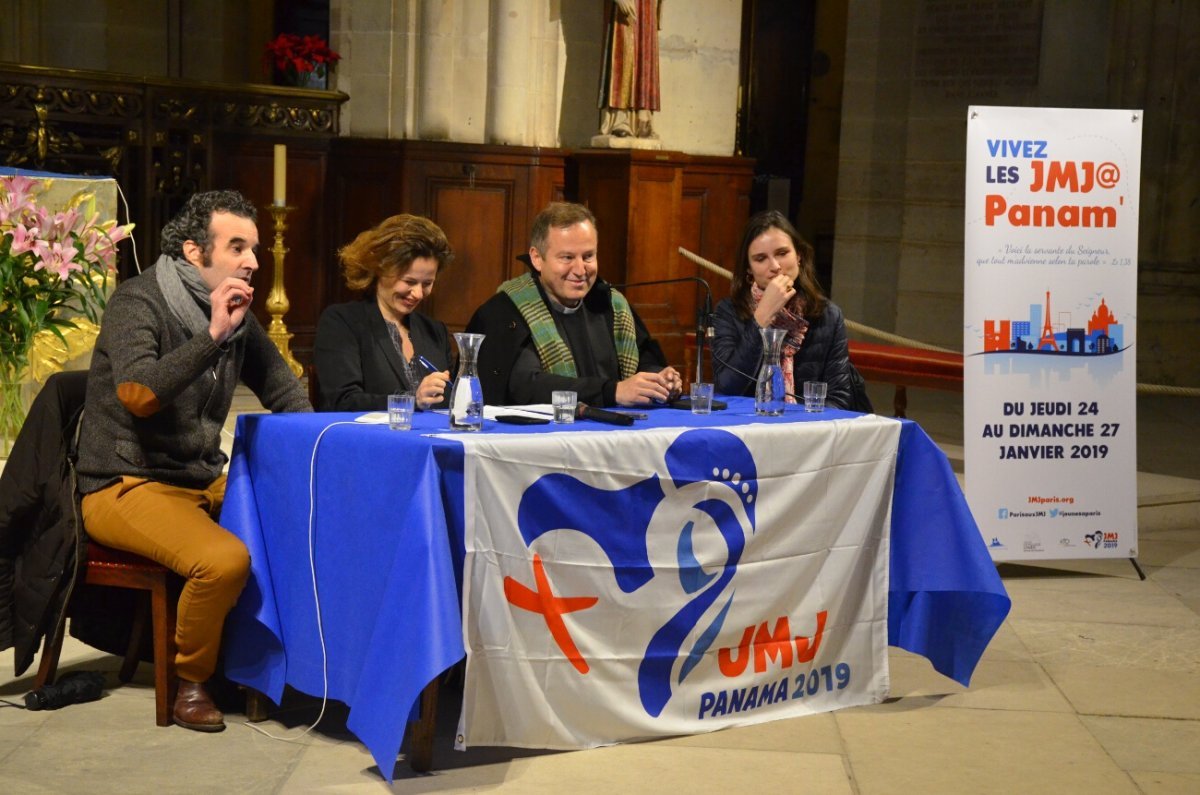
{"x":775,"y":285}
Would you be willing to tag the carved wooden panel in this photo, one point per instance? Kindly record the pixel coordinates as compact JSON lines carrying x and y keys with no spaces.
{"x":647,"y":204}
{"x":718,"y":190}
{"x":365,"y":187}
{"x":156,"y":136}
{"x":604,"y":188}
{"x":476,"y":219}
{"x":655,"y":188}
{"x":484,"y":198}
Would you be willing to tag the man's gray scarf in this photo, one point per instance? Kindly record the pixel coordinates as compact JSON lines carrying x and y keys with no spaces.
{"x":188,"y":296}
{"x":190,"y":301}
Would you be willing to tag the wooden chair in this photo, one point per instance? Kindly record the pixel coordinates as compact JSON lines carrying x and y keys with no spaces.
{"x":118,"y":569}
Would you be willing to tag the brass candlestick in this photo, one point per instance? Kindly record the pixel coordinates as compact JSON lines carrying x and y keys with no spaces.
{"x":277,"y":301}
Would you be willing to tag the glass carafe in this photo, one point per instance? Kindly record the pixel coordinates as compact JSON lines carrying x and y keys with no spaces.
{"x":769,"y":395}
{"x":466,"y":396}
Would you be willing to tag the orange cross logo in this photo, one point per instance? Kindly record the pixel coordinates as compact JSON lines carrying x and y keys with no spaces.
{"x":551,"y":607}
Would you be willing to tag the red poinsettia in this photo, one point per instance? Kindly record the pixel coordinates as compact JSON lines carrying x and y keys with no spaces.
{"x":296,"y":56}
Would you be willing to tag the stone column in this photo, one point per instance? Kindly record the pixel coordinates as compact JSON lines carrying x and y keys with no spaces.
{"x":511,"y":38}
{"x":435,"y":73}
{"x":544,"y":92}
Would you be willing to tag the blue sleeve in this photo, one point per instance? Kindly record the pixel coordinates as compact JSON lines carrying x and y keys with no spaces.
{"x":736,"y":347}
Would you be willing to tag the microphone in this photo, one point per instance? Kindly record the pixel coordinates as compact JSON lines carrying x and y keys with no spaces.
{"x":585,"y":412}
{"x":704,"y":329}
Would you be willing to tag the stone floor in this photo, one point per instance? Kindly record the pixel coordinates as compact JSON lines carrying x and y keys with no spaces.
{"x":1091,"y":685}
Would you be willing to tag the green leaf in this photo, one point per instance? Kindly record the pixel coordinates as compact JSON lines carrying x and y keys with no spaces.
{"x":54,"y":328}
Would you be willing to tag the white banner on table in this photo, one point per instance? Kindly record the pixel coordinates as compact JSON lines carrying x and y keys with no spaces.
{"x":629,"y":585}
{"x":1050,"y":310}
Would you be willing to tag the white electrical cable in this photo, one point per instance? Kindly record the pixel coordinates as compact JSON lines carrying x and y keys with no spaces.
{"x":128,"y":219}
{"x":312,"y":565}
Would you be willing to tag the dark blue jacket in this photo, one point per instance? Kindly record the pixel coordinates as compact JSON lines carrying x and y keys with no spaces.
{"x":824,"y":356}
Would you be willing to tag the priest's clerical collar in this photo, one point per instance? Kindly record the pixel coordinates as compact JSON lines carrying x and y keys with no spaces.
{"x":562,"y":308}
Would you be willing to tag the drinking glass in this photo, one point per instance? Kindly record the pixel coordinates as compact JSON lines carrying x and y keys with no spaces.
{"x":702,"y":395}
{"x":814,"y":395}
{"x":564,"y":401}
{"x":400,"y":410}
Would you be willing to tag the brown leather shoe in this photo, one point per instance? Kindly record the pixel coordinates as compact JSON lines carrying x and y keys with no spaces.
{"x":195,"y":710}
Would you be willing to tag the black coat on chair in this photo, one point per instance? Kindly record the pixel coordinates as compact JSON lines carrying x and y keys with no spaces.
{"x":41,"y":533}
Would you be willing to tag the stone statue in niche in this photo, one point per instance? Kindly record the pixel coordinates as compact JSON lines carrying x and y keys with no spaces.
{"x":629,"y":86}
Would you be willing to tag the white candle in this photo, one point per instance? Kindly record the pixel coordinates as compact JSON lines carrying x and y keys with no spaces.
{"x":280,"y":175}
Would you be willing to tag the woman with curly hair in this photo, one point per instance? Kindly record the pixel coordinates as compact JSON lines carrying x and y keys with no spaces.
{"x":368,"y":349}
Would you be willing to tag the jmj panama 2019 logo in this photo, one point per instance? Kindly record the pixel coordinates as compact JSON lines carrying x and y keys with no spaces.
{"x":674,"y":649}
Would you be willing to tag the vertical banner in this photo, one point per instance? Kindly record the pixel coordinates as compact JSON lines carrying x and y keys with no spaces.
{"x":1050,"y":328}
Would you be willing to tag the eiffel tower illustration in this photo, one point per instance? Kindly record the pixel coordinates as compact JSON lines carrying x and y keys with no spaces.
{"x":1047,"y":331}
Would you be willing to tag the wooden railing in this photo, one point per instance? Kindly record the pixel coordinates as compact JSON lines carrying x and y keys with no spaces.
{"x":905,"y":367}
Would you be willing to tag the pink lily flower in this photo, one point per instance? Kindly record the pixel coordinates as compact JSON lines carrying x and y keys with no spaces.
{"x":19,"y":196}
{"x":60,"y":260}
{"x":22,"y":240}
{"x":65,"y":223}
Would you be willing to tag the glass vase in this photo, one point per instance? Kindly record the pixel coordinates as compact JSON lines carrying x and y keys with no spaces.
{"x":769,"y":394}
{"x":12,"y":405}
{"x":466,"y":395}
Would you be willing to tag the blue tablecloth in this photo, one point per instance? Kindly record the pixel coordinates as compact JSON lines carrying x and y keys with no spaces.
{"x":386,"y":538}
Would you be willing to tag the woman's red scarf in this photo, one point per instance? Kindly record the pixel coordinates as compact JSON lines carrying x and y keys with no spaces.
{"x":791,"y":319}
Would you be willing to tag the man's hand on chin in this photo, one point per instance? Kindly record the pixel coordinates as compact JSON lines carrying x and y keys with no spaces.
{"x":230,"y":303}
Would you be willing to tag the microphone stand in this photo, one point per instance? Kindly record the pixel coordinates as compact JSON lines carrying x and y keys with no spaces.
{"x":704,"y":328}
{"x":704,"y":331}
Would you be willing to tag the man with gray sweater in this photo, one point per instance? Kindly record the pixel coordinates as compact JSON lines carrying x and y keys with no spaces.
{"x":174,"y":342}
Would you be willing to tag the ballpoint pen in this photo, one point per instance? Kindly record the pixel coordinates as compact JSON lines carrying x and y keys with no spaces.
{"x":428,"y":365}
